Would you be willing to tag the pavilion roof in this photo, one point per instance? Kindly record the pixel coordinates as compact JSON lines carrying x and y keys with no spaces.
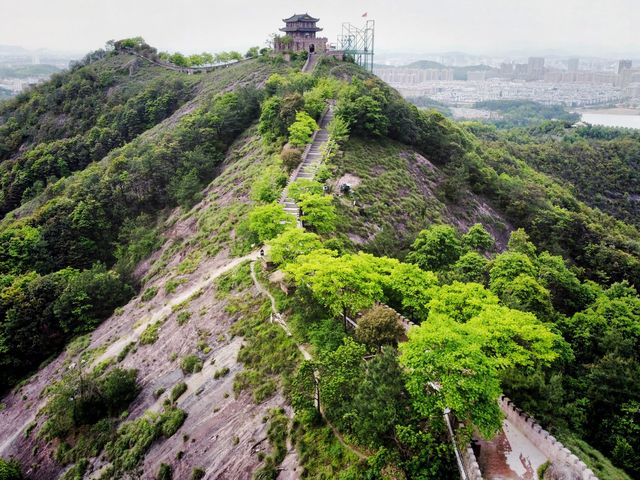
{"x":300,"y":29}
{"x":304,"y":17}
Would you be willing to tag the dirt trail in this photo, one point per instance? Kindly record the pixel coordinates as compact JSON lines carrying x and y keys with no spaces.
{"x":116,"y":347}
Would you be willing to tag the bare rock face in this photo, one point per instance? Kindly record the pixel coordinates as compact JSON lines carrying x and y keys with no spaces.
{"x":133,"y":66}
{"x":560,"y":471}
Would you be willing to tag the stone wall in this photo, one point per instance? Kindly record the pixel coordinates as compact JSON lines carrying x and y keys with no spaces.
{"x":471,"y":464}
{"x":552,"y":448}
{"x":302,"y":44}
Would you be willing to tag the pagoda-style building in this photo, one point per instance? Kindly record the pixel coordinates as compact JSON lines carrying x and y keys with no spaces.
{"x":300,"y":35}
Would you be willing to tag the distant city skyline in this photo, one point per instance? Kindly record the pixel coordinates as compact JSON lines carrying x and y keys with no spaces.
{"x":490,"y":27}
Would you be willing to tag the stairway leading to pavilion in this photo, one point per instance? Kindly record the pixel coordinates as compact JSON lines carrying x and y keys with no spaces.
{"x":311,"y":160}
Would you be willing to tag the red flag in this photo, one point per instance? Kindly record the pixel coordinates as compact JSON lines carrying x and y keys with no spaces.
{"x":365,"y":14}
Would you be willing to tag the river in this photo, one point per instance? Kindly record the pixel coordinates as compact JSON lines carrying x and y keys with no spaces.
{"x":608,"y":119}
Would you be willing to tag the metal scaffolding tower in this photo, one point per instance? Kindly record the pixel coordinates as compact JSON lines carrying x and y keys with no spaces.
{"x":358,"y":43}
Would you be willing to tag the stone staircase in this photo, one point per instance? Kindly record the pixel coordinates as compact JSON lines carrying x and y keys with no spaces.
{"x":311,"y":159}
{"x":311,"y":62}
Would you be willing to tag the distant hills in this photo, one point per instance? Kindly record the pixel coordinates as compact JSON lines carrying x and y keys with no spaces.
{"x":459,"y":73}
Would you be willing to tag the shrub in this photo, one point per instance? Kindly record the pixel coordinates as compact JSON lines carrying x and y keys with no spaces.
{"x":171,"y":420}
{"x":125,"y":351}
{"x":118,"y":388}
{"x":291,"y":157}
{"x":165,"y":472}
{"x":267,"y":187}
{"x":177,"y":391}
{"x":149,"y":293}
{"x":150,"y":334}
{"x":183,"y":317}
{"x":10,"y":470}
{"x":174,"y":283}
{"x":191,"y":364}
{"x":197,"y":473}
{"x":221,"y":373}
{"x":379,"y":326}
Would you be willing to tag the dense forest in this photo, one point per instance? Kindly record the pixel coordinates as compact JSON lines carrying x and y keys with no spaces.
{"x":600,"y":165}
{"x":97,"y":163}
{"x":521,"y":113}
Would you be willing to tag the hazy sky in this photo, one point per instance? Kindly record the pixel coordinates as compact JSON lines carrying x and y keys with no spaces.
{"x":476,"y":26}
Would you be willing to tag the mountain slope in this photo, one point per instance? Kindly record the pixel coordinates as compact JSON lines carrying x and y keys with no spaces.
{"x":108,"y":211}
{"x":192,"y":372}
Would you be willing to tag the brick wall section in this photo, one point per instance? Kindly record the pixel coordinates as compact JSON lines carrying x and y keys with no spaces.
{"x":552,"y":448}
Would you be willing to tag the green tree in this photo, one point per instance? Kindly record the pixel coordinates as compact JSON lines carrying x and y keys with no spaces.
{"x":302,"y":129}
{"x":525,"y":293}
{"x":477,"y":238}
{"x":361,"y":107}
{"x":292,"y":243}
{"x":253,"y":52}
{"x":380,"y":401}
{"x":304,"y":186}
{"x":318,"y":212}
{"x":520,"y":242}
{"x":338,"y":130}
{"x":340,"y":372}
{"x":410,"y":289}
{"x":344,"y":285}
{"x":461,"y":301}
{"x":470,"y":267}
{"x":265,"y":222}
{"x":458,"y":365}
{"x":436,"y":248}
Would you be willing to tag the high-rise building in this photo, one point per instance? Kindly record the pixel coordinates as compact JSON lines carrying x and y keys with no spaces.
{"x":624,"y":65}
{"x":573,"y":64}
{"x":535,"y":68}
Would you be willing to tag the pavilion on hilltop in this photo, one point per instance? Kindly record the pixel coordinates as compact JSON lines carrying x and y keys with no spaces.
{"x":300,"y":35}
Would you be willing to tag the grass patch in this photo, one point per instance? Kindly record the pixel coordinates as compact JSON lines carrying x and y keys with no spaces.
{"x":177,"y":391}
{"x":197,"y":473}
{"x":320,"y":453}
{"x":125,"y":351}
{"x":277,"y":434}
{"x":165,"y":472}
{"x":173,"y":284}
{"x":391,"y":205}
{"x":134,"y":438}
{"x":268,"y":355}
{"x":237,"y":279}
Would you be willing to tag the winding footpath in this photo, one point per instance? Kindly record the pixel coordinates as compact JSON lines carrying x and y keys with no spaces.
{"x":276,"y":317}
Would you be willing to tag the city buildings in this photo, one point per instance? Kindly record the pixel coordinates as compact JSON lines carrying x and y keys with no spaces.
{"x":570,"y":82}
